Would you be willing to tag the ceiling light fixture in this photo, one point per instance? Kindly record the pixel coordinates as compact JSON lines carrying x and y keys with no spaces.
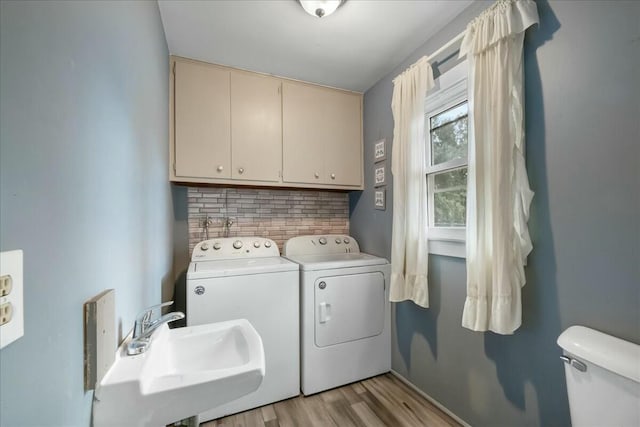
{"x":320,"y":8}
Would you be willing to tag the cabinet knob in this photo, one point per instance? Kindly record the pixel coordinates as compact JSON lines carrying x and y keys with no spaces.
{"x":317,"y":175}
{"x":241,"y":170}
{"x":333,"y":176}
{"x":220,"y":168}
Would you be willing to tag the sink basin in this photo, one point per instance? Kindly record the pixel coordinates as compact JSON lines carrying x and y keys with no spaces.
{"x":184,"y":372}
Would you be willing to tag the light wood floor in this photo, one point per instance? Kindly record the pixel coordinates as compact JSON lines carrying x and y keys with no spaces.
{"x":378,"y":401}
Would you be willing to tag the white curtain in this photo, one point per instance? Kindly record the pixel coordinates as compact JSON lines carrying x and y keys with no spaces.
{"x":498,"y":194}
{"x":409,"y":250}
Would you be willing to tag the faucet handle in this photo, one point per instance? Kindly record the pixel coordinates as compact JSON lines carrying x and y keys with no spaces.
{"x":143,"y":319}
{"x":154,"y":308}
{"x":146,"y":314}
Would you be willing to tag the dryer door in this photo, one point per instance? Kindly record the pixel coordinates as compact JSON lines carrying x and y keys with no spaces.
{"x":348,"y":307}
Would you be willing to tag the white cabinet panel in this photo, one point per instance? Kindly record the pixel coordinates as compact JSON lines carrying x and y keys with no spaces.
{"x":256,"y":127}
{"x":303,"y":136}
{"x":202,"y":121}
{"x":343,"y":161}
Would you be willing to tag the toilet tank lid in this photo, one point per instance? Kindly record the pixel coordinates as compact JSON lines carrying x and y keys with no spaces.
{"x":611,"y":353}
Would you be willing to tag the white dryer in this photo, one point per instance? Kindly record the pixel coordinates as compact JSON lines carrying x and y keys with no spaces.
{"x":245,"y":278}
{"x":344,"y":311}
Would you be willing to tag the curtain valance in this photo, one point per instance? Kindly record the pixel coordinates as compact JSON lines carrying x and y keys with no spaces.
{"x":503,"y":19}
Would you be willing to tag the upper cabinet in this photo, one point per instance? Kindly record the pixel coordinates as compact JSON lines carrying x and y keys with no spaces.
{"x":237,"y":127}
{"x":256,"y":127}
{"x":321,"y":135}
{"x":202,"y":117}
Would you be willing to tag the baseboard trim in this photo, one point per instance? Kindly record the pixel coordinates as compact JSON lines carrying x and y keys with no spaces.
{"x":430,"y":399}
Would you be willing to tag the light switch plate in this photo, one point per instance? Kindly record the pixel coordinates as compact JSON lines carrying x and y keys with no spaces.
{"x":11,"y":300}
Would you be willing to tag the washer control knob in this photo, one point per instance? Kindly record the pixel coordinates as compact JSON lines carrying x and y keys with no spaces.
{"x":322,"y":240}
{"x":199,"y":290}
{"x":338,"y":241}
{"x":346,"y":240}
{"x":217,"y":246}
{"x":256,"y":244}
{"x":237,"y":244}
{"x":267,"y":244}
{"x":204,"y":247}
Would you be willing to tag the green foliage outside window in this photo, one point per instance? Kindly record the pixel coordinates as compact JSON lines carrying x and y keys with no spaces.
{"x":449,"y":131}
{"x":450,"y":198}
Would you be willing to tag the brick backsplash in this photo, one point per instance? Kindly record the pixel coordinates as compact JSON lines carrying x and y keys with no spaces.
{"x":274,"y":213}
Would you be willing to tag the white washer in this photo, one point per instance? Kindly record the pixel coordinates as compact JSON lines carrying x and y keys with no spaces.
{"x":344,"y":311}
{"x":245,"y":277}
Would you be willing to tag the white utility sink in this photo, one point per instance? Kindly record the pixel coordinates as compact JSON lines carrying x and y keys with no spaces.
{"x":184,"y":372}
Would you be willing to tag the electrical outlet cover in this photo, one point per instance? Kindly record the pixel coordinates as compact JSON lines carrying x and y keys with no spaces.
{"x":11,"y":265}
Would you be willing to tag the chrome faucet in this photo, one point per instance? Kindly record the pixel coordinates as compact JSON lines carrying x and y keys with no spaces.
{"x":145,"y":326}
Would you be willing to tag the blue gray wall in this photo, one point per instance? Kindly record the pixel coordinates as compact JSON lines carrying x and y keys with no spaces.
{"x":583,"y":156}
{"x":84,"y":186}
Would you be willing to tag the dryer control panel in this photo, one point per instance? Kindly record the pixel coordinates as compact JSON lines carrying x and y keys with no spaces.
{"x":320,"y":245}
{"x":234,"y":247}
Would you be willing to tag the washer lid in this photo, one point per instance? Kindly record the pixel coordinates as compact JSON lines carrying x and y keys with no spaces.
{"x":331,"y":261}
{"x":239,"y":267}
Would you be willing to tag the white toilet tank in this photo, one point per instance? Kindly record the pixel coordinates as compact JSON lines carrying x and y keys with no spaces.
{"x":603,"y":378}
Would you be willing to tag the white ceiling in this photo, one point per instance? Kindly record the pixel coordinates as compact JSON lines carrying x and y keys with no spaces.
{"x":351,"y":49}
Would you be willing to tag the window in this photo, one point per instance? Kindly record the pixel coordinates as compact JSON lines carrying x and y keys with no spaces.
{"x":446,"y":134}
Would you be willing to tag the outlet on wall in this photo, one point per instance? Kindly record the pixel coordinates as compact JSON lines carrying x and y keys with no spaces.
{"x":6,"y":313}
{"x":6,"y":285}
{"x":11,"y":297}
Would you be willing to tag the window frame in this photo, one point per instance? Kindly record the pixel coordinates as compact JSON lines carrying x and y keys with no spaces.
{"x":450,"y":89}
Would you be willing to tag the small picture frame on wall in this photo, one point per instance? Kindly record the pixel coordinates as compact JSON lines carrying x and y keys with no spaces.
{"x":379,"y":198}
{"x":380,"y":175}
{"x":379,"y":151}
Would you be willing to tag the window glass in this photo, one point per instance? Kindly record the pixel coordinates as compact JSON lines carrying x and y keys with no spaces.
{"x":449,"y":134}
{"x":450,"y":198}
{"x":450,"y":115}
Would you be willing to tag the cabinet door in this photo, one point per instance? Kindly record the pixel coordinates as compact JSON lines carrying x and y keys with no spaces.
{"x":202,"y":121}
{"x":256,"y":127}
{"x":343,"y":154}
{"x":322,"y":142}
{"x":304,"y":134}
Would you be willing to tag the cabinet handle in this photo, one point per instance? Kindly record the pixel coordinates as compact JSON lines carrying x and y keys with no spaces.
{"x":333,"y":176}
{"x":220,"y":168}
{"x":317,"y":175}
{"x":240,"y":171}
